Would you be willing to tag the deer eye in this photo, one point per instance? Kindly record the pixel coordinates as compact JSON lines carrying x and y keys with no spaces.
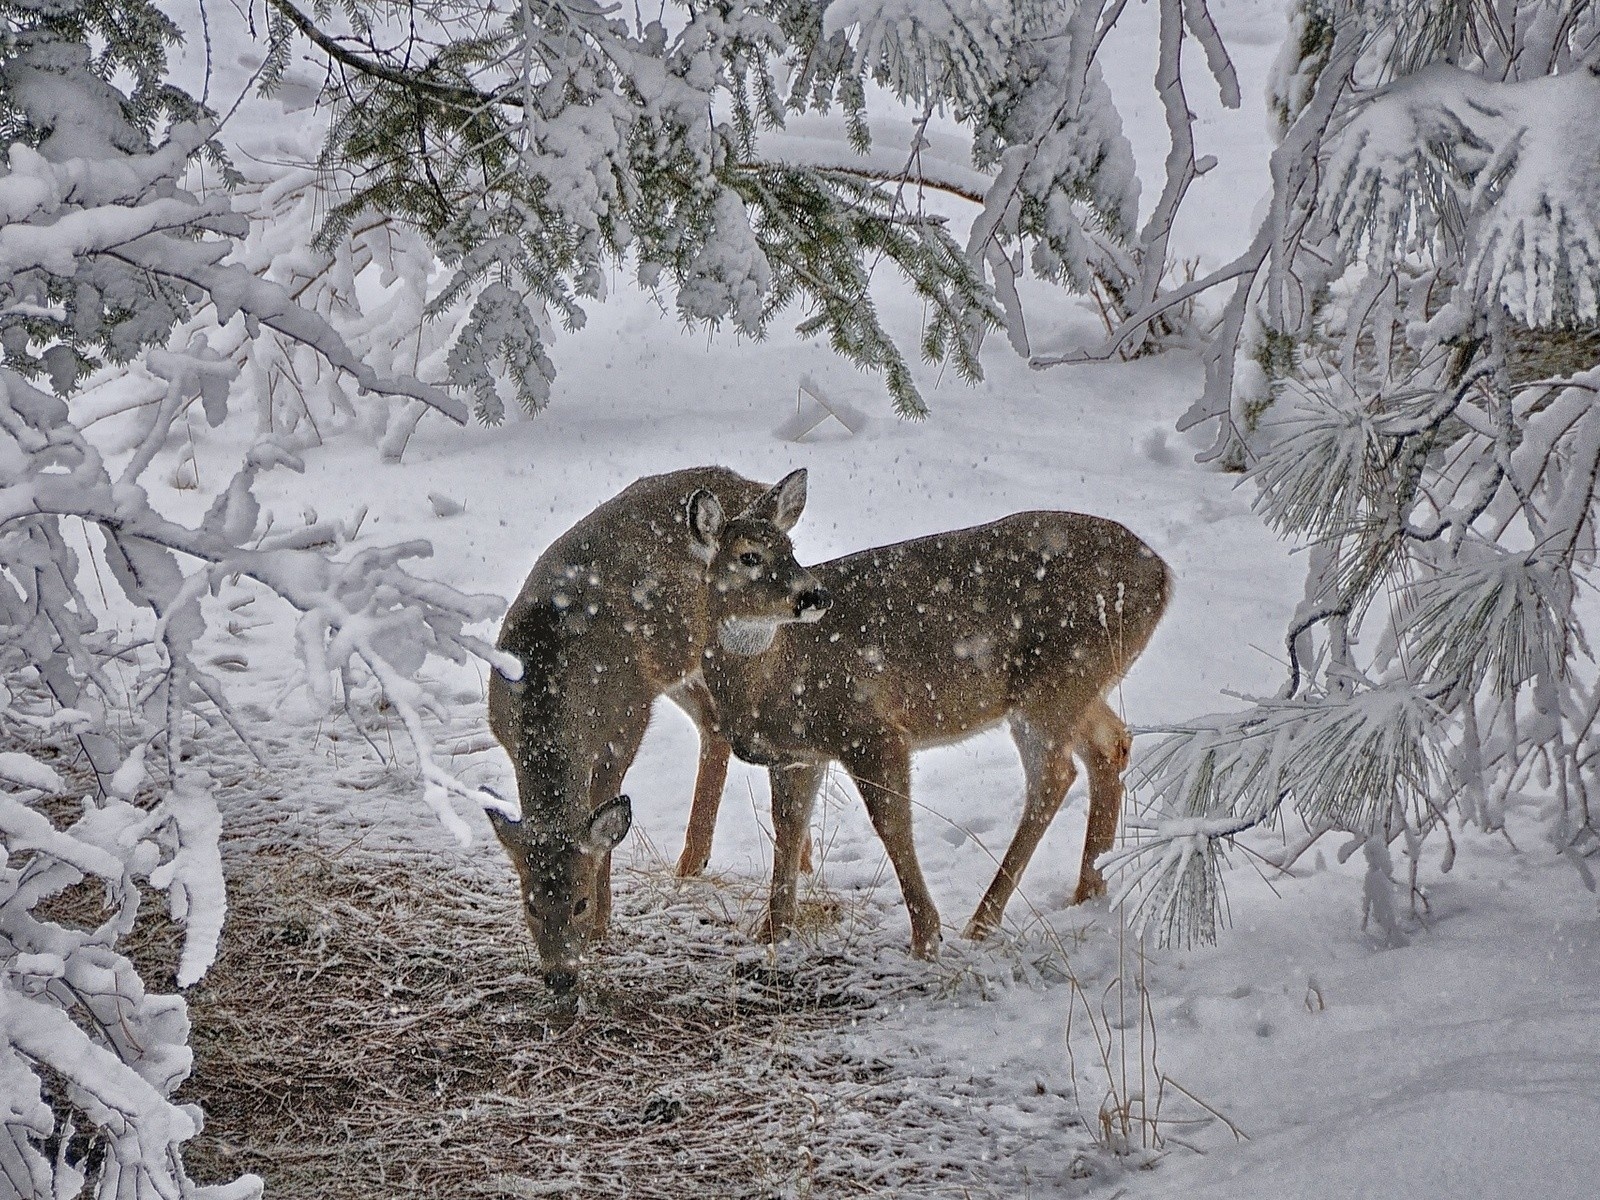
{"x":751,"y":558}
{"x":581,"y":907}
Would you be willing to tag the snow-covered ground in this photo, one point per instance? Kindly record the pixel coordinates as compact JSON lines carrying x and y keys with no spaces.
{"x":1465,"y":1063}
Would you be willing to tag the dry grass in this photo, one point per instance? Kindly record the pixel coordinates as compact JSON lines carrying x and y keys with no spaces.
{"x":376,"y":1029}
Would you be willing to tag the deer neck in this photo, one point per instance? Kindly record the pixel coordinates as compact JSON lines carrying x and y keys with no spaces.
{"x":746,"y":638}
{"x":741,"y":660}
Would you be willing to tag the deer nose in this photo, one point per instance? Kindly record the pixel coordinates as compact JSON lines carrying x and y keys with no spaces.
{"x":561,"y":982}
{"x":812,"y":603}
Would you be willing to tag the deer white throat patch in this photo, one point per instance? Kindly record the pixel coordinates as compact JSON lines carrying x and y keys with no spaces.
{"x":739,"y":636}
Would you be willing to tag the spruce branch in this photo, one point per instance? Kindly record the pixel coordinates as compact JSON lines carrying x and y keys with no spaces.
{"x":411,"y":80}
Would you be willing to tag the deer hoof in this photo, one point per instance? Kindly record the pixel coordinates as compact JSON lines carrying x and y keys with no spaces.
{"x":690,"y":865}
{"x":978,"y":930}
{"x":1089,"y":889}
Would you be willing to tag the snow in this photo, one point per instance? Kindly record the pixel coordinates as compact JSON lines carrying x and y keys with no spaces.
{"x":729,"y":275}
{"x":1536,"y":247}
{"x":1458,"y":1047}
{"x":1463,"y":1063}
{"x":22,"y":770}
{"x":937,"y":156}
{"x":1463,"y":1059}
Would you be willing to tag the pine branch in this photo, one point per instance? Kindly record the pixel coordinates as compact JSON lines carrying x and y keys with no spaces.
{"x":876,"y":175}
{"x":411,"y":80}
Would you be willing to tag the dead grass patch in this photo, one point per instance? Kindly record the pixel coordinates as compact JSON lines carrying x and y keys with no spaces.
{"x":376,"y":1028}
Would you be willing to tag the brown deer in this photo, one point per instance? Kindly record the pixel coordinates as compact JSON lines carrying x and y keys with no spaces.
{"x":1030,"y":619}
{"x":612,"y":615}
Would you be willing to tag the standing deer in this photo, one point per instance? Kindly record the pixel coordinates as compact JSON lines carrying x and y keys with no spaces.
{"x":612,"y":615}
{"x":1030,"y":619}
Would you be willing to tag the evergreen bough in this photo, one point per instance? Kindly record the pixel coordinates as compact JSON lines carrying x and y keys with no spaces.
{"x":105,"y":253}
{"x":539,"y":146}
{"x":1408,"y":371}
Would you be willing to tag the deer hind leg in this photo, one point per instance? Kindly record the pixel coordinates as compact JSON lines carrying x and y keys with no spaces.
{"x":881,"y":768}
{"x":1104,"y":745}
{"x":710,"y":779}
{"x":1046,"y":750}
{"x":794,"y":791}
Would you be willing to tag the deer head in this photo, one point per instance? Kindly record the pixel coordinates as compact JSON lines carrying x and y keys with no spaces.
{"x":558,"y":873}
{"x":755,"y":582}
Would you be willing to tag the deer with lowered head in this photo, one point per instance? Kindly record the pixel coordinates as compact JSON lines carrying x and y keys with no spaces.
{"x":613,"y":614}
{"x":1030,"y":620}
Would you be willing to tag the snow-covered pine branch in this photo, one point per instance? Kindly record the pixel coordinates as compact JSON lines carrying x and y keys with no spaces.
{"x":547,"y":145}
{"x":1409,"y":373}
{"x":372,"y":286}
{"x":104,"y":254}
{"x":554,"y":143}
{"x":117,"y":230}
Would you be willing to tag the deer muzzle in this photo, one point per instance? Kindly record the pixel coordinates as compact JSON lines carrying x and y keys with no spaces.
{"x":561,"y":982}
{"x":810,"y":604}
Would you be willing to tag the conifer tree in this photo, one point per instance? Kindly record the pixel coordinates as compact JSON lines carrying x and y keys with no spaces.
{"x":1408,"y":369}
{"x":538,"y":145}
{"x":104,"y":250}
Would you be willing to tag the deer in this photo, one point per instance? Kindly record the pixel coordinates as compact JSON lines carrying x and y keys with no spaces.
{"x":1029,"y":620}
{"x":613,"y":614}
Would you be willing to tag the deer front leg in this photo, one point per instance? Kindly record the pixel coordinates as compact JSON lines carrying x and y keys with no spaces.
{"x":710,"y":780}
{"x":881,"y":768}
{"x":794,"y":790}
{"x":708,"y":784}
{"x":604,"y":784}
{"x":602,"y":897}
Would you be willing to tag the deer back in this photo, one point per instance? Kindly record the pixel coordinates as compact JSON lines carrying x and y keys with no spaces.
{"x":940,"y":636}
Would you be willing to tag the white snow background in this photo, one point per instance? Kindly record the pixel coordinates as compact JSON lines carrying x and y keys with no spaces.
{"x":1465,"y":1063}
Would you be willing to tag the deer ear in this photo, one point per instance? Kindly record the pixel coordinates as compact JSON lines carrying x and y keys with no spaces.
{"x":783,"y":502}
{"x":607,"y":826}
{"x":704,"y":512}
{"x":505,"y":828}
